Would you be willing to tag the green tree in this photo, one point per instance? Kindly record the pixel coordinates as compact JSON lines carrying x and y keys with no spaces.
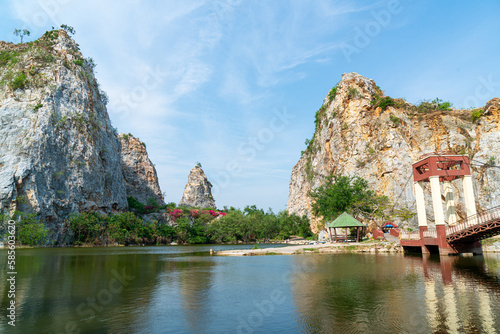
{"x":21,"y":33}
{"x":350,"y":194}
{"x":68,"y":29}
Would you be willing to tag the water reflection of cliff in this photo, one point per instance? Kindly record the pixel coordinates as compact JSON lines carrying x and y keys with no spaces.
{"x":398,"y":294}
{"x":85,"y":288}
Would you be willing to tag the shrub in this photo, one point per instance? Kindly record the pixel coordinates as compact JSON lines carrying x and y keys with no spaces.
{"x":176,"y":214}
{"x":68,"y":29}
{"x":396,"y":120}
{"x":51,"y":35}
{"x":319,"y":115}
{"x":7,"y":57}
{"x":19,"y":82}
{"x":38,"y":106}
{"x":153,"y":203}
{"x":135,"y":205}
{"x":434,"y":105}
{"x":29,"y":230}
{"x":78,"y":62}
{"x":90,"y":63}
{"x":332,"y":93}
{"x":87,"y":228}
{"x":127,"y":228}
{"x":352,"y":93}
{"x":442,"y":105}
{"x":386,"y":102}
{"x":476,"y":114}
{"x":104,"y":97}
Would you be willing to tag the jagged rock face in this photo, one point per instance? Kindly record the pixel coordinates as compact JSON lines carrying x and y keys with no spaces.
{"x":139,"y":172}
{"x":198,"y":191}
{"x":58,"y":151}
{"x":354,"y":138}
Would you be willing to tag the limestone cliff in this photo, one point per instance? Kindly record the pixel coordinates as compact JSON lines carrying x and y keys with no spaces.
{"x":198,"y":191}
{"x":139,"y":172}
{"x":359,"y":133}
{"x":58,"y":150}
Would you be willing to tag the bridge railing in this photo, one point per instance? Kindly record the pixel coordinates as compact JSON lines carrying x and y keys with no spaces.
{"x":430,"y":234}
{"x":475,"y":220}
{"x":410,"y":235}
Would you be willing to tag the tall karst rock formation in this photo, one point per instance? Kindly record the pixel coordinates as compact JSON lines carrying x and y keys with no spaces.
{"x":138,"y":170}
{"x":357,"y":135}
{"x":198,"y":191}
{"x":58,"y":150}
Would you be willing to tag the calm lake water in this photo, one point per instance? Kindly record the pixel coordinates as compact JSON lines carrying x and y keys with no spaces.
{"x":182,"y":289}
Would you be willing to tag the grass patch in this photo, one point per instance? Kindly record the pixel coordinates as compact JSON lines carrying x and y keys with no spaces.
{"x":394,"y":119}
{"x":19,"y":82}
{"x":271,"y":253}
{"x":435,"y":105}
{"x":352,"y":93}
{"x":9,"y":57}
{"x":332,"y":93}
{"x":489,"y":241}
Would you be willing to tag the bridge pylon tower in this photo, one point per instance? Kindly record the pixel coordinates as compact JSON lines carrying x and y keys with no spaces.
{"x":436,"y":168}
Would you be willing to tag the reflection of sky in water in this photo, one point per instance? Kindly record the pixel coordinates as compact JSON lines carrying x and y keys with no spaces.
{"x":183,"y":289}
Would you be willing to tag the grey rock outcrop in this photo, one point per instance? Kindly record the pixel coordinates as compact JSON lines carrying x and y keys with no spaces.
{"x":198,"y":191}
{"x":59,"y":153}
{"x":138,"y":170}
{"x":355,"y":137}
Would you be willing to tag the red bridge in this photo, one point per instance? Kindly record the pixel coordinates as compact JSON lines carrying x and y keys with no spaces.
{"x":464,"y":237}
{"x":459,"y":236}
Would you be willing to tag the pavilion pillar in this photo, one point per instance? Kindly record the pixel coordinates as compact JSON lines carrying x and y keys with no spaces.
{"x":436,"y":200}
{"x":419,"y":195}
{"x":451,"y":215}
{"x":470,"y":203}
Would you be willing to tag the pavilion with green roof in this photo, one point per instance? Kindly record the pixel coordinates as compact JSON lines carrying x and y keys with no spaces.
{"x":346,"y":221}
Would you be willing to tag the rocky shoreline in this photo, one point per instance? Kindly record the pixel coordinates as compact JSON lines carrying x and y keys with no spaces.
{"x":318,"y":248}
{"x":330,"y":248}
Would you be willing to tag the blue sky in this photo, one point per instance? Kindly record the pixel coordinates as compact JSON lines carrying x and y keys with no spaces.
{"x":234,"y":84}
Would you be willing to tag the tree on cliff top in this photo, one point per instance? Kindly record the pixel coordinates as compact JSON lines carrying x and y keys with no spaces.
{"x":21,"y":33}
{"x":349,"y":194}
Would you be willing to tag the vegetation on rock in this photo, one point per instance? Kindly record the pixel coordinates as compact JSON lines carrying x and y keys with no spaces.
{"x":29,"y":230}
{"x":352,"y":195}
